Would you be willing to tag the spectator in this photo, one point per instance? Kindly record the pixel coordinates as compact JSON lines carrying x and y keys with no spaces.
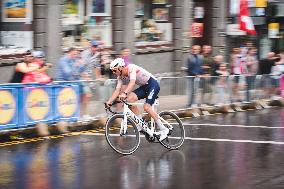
{"x":72,"y":68}
{"x":276,"y":73}
{"x":67,"y":66}
{"x":218,"y":60}
{"x":207,"y":69}
{"x":265,"y":65}
{"x":237,"y":69}
{"x":39,"y":75}
{"x":22,"y":68}
{"x":252,"y":67}
{"x":105,"y":61}
{"x":221,"y":83}
{"x":194,"y":68}
{"x":91,"y":59}
{"x":208,"y":60}
{"x":125,"y":55}
{"x":264,"y":69}
{"x":282,"y":76}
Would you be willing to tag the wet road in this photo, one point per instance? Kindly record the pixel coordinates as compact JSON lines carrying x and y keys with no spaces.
{"x":242,"y":150}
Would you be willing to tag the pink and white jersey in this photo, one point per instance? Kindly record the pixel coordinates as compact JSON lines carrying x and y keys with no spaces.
{"x":140,"y":75}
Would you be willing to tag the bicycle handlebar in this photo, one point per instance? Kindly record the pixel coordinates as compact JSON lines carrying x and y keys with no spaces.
{"x":115,"y":102}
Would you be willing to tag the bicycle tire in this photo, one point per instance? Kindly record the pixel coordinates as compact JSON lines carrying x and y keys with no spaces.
{"x":122,"y":144}
{"x":177,"y":134}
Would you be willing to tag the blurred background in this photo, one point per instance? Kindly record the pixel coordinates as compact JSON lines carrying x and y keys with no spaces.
{"x":159,"y":33}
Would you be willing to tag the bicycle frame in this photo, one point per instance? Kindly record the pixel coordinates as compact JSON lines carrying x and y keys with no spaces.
{"x":139,"y":121}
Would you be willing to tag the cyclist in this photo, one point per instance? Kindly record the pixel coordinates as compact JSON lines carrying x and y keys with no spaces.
{"x":149,"y":89}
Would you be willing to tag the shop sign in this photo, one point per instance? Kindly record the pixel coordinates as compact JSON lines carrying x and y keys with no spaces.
{"x":17,"y":11}
{"x":260,"y":3}
{"x":19,"y":39}
{"x":99,"y":8}
{"x":273,"y":30}
{"x":198,"y":12}
{"x":257,"y":3}
{"x":197,"y":30}
{"x":234,"y":29}
{"x":73,"y":12}
{"x":234,"y":7}
{"x":251,"y":3}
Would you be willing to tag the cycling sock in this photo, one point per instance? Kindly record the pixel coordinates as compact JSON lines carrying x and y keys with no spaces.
{"x":160,"y":125}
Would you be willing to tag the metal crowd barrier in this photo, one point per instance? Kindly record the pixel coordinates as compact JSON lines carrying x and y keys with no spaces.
{"x":212,"y":90}
{"x":23,"y":105}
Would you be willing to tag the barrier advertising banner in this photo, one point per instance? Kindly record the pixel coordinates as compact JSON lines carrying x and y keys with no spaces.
{"x":37,"y":102}
{"x":8,"y":108}
{"x":67,"y":102}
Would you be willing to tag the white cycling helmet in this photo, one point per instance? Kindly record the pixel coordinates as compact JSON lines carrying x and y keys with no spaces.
{"x":118,"y":62}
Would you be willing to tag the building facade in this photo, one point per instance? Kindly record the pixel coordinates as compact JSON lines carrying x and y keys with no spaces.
{"x":158,"y":32}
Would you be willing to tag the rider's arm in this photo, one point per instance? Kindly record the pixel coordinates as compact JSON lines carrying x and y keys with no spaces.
{"x":130,"y":86}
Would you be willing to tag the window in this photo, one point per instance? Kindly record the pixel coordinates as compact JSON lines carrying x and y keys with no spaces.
{"x":152,"y":22}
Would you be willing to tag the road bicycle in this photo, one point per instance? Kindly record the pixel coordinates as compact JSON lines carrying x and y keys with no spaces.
{"x":123,"y":135}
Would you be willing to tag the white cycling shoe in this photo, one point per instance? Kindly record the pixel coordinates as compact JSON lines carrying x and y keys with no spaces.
{"x":163,"y":134}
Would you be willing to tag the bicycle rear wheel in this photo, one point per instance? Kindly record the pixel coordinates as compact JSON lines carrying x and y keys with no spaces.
{"x":176,"y":135}
{"x":123,"y":144}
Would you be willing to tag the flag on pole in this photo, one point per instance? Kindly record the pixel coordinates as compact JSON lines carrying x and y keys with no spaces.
{"x":245,"y":20}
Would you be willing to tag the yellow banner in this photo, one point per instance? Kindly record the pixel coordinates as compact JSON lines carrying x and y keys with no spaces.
{"x":273,"y":26}
{"x":260,"y":3}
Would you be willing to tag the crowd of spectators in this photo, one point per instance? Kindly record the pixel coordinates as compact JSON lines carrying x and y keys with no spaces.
{"x":243,"y":67}
{"x":209,"y":73}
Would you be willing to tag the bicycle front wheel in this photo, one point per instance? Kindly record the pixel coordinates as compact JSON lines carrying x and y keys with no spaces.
{"x":176,"y":135}
{"x":124,"y":144}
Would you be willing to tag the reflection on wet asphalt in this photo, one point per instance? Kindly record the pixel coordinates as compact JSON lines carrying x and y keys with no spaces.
{"x":86,"y":161}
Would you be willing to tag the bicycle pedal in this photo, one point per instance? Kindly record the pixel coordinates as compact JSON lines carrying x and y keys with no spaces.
{"x":149,"y":138}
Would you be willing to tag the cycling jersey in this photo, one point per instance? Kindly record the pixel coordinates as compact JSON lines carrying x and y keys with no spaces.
{"x":149,"y":86}
{"x":140,"y":75}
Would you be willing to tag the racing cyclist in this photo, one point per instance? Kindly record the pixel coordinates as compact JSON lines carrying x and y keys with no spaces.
{"x":149,"y":89}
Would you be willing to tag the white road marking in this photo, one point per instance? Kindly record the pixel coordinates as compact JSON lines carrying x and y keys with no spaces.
{"x":237,"y":141}
{"x":210,"y":139}
{"x":242,"y":126}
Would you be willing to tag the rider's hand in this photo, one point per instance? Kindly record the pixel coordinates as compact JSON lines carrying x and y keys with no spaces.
{"x":107,"y":105}
{"x":122,"y":96}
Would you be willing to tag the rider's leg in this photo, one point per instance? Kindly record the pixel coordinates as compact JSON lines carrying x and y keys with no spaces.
{"x":163,"y":132}
{"x":148,"y":108}
{"x":133,"y":98}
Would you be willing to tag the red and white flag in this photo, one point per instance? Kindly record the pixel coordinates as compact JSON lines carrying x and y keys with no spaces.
{"x":246,"y":23}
